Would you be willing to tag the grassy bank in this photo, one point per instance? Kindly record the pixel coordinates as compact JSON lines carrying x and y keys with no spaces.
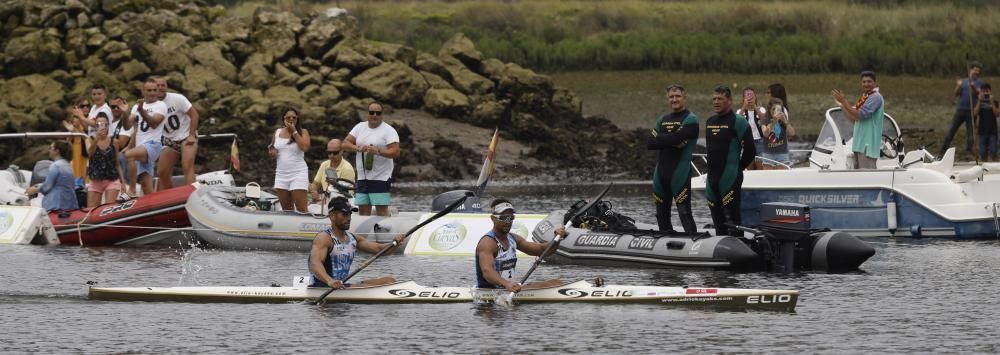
{"x":633,"y":99}
{"x":733,"y":36}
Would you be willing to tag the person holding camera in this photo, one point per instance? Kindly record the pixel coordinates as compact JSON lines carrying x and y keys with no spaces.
{"x":867,"y":115}
{"x":987,"y":109}
{"x":754,"y":113}
{"x":776,"y":129}
{"x":103,"y":169}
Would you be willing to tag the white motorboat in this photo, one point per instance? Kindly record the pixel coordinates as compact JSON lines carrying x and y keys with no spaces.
{"x":915,"y":195}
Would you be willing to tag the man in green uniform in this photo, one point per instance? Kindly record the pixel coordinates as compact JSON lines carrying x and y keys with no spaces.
{"x":674,"y":137}
{"x":730,"y":150}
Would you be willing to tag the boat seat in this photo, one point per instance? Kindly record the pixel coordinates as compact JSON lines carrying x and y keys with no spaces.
{"x":39,"y":172}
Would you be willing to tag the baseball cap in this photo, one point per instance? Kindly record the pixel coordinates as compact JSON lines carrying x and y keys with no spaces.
{"x":502,"y":207}
{"x":341,"y":204}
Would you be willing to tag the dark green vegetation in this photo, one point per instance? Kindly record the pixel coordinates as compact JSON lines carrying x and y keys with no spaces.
{"x":899,"y":37}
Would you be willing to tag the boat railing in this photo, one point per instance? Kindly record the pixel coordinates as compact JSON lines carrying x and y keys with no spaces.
{"x":783,"y":165}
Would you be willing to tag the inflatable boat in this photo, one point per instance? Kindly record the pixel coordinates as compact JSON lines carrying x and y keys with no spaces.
{"x":784,"y":242}
{"x":229,"y":217}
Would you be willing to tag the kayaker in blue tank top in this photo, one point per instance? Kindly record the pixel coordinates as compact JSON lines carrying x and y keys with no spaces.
{"x":496,"y":253}
{"x":333,"y":250}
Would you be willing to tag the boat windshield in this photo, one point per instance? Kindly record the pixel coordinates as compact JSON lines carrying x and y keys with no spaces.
{"x":827,"y":139}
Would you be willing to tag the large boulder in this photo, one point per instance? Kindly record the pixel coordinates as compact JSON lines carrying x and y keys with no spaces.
{"x":35,"y":52}
{"x":391,"y":52}
{"x":461,"y":48}
{"x":210,"y":55}
{"x":32,"y":91}
{"x":231,"y":28}
{"x":254,"y":72}
{"x":170,"y":53}
{"x":343,"y":56}
{"x":394,"y":83}
{"x":133,"y":70}
{"x":284,"y":96}
{"x":515,"y":80}
{"x":205,"y":82}
{"x":466,"y":80}
{"x":275,"y":32}
{"x":435,"y":82}
{"x":446,"y":103}
{"x":325,"y":32}
{"x":431,"y":64}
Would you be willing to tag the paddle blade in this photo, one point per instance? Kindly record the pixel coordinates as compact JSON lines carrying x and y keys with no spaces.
{"x":489,"y":164}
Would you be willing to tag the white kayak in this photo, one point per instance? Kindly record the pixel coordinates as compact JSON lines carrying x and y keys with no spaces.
{"x":411,"y":292}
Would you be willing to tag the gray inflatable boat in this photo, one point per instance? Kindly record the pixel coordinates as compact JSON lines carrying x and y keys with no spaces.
{"x":784,"y":242}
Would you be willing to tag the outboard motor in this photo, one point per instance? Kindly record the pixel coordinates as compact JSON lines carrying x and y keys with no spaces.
{"x":799,"y":247}
{"x":787,"y":224}
{"x":471,"y":204}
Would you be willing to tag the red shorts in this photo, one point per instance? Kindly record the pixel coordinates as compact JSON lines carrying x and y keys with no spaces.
{"x":100,"y":186}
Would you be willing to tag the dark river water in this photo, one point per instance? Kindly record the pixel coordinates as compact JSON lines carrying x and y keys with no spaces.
{"x":913,"y":296}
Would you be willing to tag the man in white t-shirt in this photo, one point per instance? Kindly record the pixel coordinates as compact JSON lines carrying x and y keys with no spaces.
{"x":180,"y":136}
{"x":99,"y":96}
{"x":149,"y":114}
{"x":376,"y":144}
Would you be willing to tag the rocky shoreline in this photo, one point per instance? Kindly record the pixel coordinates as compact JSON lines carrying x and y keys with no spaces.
{"x":240,"y":71}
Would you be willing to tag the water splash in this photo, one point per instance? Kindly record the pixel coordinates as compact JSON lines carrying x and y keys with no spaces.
{"x":504,"y":299}
{"x":190,"y":269}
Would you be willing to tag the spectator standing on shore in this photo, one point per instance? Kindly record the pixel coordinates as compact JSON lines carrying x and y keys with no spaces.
{"x":730,"y":149}
{"x":291,"y":174}
{"x":377,"y":144}
{"x":867,"y":115}
{"x":965,"y":90}
{"x":754,"y":113}
{"x":674,"y":138}
{"x":987,"y":108}
{"x":180,"y":136}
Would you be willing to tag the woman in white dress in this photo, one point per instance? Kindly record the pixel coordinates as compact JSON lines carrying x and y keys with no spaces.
{"x":291,"y":176}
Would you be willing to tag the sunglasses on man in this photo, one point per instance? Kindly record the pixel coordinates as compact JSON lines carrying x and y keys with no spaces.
{"x":505,"y":217}
{"x":375,"y":113}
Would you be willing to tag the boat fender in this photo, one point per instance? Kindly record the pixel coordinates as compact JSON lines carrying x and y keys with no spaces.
{"x":916,"y":231}
{"x":890,"y":211}
{"x":675,"y":245}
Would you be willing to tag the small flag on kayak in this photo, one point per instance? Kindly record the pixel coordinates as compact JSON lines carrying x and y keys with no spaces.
{"x":234,"y":156}
{"x":489,"y":165}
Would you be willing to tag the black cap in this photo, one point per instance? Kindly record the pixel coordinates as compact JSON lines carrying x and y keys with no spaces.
{"x":341,"y":204}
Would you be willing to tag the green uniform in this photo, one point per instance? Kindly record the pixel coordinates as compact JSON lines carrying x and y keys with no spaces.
{"x":674,"y":137}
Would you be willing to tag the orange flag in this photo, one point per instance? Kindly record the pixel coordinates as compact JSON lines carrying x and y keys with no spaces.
{"x":234,"y":156}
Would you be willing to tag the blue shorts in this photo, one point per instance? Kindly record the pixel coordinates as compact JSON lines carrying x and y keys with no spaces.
{"x":758,"y":144}
{"x":372,"y":193}
{"x":153,"y":149}
{"x":124,"y":164}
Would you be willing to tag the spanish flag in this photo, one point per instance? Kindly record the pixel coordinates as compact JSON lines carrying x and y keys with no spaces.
{"x":489,"y":164}
{"x":234,"y":156}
